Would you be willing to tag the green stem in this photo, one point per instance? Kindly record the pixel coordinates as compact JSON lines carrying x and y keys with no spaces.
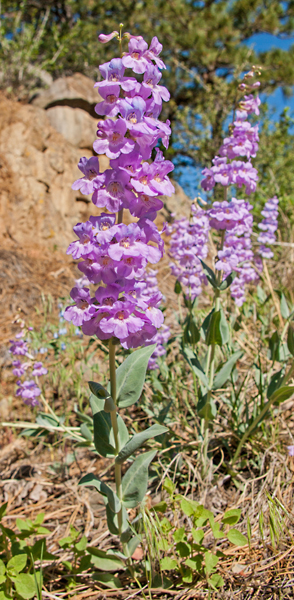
{"x":113,"y":416}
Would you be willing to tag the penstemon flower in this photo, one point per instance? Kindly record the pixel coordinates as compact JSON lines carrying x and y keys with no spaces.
{"x":268,"y":227}
{"x":114,"y":255}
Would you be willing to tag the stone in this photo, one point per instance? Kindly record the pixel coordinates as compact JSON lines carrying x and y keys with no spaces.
{"x":76,"y":91}
{"x":75,"y":124}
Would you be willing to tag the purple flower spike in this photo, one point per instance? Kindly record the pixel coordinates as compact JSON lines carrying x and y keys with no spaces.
{"x":122,"y":322}
{"x":18,"y":347}
{"x":19,"y":368}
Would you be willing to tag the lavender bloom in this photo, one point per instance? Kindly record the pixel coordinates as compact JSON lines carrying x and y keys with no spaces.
{"x":290,"y":450}
{"x":39,"y":370}
{"x":19,"y":368}
{"x":18,"y":347}
{"x":113,"y":72}
{"x":161,"y":337}
{"x":83,"y":308}
{"x":29,"y":391}
{"x":110,"y":103}
{"x":268,"y":226}
{"x":92,"y":177}
{"x":111,"y":139}
{"x":137,"y":58}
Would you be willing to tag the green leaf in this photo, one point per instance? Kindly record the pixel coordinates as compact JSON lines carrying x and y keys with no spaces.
{"x":198,"y":535}
{"x":3,"y":508}
{"x":184,"y":549}
{"x":39,"y":519}
{"x":187,"y":574}
{"x":168,"y":564}
{"x":191,"y":332}
{"x":225,"y":284}
{"x":123,"y":433}
{"x":206,"y":409}
{"x":275,"y":382}
{"x":213,"y":335}
{"x":195,"y":365}
{"x":285,"y":312}
{"x":86,"y":433}
{"x":224,"y":328}
{"x":130,"y":376}
{"x":82,"y":544}
{"x":109,"y":405}
{"x":169,"y":486}
{"x":282,"y":394}
{"x":25,"y":586}
{"x":104,"y":561}
{"x":209,"y":274}
{"x":103,"y":434}
{"x":195,"y":563}
{"x":98,"y":390}
{"x":178,"y":287}
{"x":189,"y":507}
{"x":216,"y":581}
{"x":217,"y":534}
{"x":46,"y":420}
{"x":160,"y":507}
{"x":132,"y":544}
{"x":137,"y":440}
{"x":224,"y":373}
{"x":2,"y":568}
{"x":210,"y":561}
{"x":179,"y":535}
{"x":97,"y":404}
{"x":290,"y":339}
{"x":91,"y":480}
{"x":107,"y":579}
{"x":17,"y":564}
{"x":135,"y":481}
{"x":274,"y":346}
{"x":235,"y":537}
{"x":232,"y":516}
{"x":112,"y":521}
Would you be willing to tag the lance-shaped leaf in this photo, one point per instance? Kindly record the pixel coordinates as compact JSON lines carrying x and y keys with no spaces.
{"x":137,"y":440}
{"x":91,"y":480}
{"x":195,"y":365}
{"x":97,"y":404}
{"x":130,"y":376}
{"x":103,"y":434}
{"x":225,"y":284}
{"x":290,"y":339}
{"x":218,"y":330}
{"x":104,"y":561}
{"x":275,"y":382}
{"x":112,"y":520}
{"x":206,"y":408}
{"x":282,"y":394}
{"x":209,"y":274}
{"x":86,"y":433}
{"x":98,"y":390}
{"x":224,"y":373}
{"x":135,"y":481}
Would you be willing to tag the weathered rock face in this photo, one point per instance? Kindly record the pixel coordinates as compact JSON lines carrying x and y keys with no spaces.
{"x":40,"y":146}
{"x":77,"y":91}
{"x":75,"y":124}
{"x":38,"y":167}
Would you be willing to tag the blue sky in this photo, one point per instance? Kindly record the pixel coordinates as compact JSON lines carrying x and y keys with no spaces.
{"x":191,"y":177}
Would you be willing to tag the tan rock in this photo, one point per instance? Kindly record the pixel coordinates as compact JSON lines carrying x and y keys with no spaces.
{"x":75,"y":124}
{"x":76,"y":91}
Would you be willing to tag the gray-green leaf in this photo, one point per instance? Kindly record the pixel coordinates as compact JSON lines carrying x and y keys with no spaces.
{"x":225,"y":372}
{"x":130,"y":376}
{"x":105,"y":562}
{"x":135,"y":481}
{"x":91,"y":480}
{"x":137,"y":440}
{"x":25,"y":586}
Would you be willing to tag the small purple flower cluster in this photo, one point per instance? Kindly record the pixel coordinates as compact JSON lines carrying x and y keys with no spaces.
{"x":111,"y":252}
{"x":236,"y":220}
{"x":243,"y":142}
{"x":163,"y":334}
{"x":189,"y":244}
{"x":28,"y":390}
{"x":268,"y":227}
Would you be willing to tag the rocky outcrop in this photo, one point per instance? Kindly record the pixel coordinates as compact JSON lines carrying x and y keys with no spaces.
{"x":77,"y":92}
{"x":37,"y":168}
{"x":40,"y":146}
